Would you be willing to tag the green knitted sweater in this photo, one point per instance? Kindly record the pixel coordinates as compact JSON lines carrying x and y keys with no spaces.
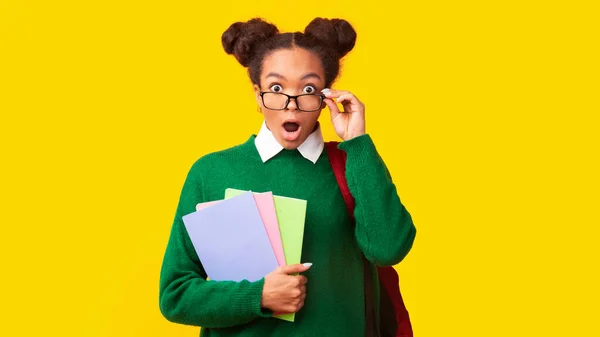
{"x":334,"y":304}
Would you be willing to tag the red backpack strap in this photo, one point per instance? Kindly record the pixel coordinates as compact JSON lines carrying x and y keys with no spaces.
{"x":388,"y":277}
{"x":337,"y":158}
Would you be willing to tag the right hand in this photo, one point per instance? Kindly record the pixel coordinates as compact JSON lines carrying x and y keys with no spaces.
{"x":285,"y":293}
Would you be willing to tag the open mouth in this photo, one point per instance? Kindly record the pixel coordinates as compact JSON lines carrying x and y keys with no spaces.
{"x":291,"y":126}
{"x":291,"y":131}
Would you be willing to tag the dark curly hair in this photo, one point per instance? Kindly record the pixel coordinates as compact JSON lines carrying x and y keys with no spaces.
{"x":250,"y":42}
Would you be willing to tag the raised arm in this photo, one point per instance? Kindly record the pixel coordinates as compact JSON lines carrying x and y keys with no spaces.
{"x":384,"y":228}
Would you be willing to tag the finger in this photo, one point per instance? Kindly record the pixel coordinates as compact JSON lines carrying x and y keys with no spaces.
{"x":332,"y":105}
{"x":302,"y":280}
{"x":348,"y":98}
{"x":303,"y":290}
{"x":299,"y":306}
{"x":329,"y":93}
{"x":294,"y":269}
{"x":292,"y":308}
{"x":333,"y":108}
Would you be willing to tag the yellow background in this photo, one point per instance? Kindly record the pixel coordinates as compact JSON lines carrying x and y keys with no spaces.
{"x":486,"y":113}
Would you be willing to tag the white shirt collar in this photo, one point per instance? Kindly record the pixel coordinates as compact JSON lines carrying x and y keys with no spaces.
{"x":268,"y":147}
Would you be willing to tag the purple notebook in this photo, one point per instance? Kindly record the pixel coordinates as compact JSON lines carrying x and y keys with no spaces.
{"x":231,"y":241}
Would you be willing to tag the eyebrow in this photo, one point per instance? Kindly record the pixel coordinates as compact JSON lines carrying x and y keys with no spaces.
{"x":309,"y":75}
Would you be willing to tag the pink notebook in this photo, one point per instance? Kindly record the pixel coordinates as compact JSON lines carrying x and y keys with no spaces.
{"x":266,"y":209}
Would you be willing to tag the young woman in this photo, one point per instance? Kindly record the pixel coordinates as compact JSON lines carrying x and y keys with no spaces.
{"x":291,"y":75}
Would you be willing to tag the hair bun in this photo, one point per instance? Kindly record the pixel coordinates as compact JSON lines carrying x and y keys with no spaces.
{"x":338,"y":34}
{"x":241,"y":38}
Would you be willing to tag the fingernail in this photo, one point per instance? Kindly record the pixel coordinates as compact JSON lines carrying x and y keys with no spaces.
{"x":307,"y":265}
{"x":326,"y":91}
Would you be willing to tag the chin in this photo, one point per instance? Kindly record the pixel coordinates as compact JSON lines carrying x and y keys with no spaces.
{"x":291,"y":144}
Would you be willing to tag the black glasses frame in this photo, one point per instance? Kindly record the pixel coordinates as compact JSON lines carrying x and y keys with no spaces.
{"x":289,"y":99}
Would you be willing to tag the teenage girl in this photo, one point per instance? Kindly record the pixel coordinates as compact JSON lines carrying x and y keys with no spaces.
{"x":292,"y":74}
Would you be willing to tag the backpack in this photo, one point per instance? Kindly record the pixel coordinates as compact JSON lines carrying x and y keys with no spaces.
{"x":394,"y":320}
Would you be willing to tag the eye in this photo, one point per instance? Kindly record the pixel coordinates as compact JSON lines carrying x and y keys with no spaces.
{"x":309,"y":89}
{"x":276,"y":88}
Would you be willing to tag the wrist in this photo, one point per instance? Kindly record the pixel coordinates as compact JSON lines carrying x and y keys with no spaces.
{"x":265,"y":303}
{"x":350,"y":136}
{"x":265,"y":299}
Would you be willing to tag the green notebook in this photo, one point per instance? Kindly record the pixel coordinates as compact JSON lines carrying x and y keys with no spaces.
{"x":291,"y":214}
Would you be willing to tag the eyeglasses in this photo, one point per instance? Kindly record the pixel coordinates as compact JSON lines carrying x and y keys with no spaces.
{"x":279,"y":101}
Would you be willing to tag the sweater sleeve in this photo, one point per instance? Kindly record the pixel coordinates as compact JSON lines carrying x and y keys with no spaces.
{"x":384,"y":228}
{"x":185,"y":294}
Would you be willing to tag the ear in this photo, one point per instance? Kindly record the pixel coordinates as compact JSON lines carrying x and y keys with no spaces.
{"x":256,"y":90}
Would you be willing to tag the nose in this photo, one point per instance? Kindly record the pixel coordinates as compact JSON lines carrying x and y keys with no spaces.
{"x":292,"y":104}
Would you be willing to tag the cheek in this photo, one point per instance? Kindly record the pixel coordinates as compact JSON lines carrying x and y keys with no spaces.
{"x":311,"y":119}
{"x":269,"y":114}
{"x":271,"y":117}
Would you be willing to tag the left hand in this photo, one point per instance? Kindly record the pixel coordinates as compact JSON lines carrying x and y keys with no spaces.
{"x":349,"y":123}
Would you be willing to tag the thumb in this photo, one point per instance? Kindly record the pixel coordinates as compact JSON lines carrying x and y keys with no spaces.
{"x":295,"y":268}
{"x":333,"y":107}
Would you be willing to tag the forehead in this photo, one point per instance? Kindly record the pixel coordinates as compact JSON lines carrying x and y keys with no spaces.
{"x":292,"y":63}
